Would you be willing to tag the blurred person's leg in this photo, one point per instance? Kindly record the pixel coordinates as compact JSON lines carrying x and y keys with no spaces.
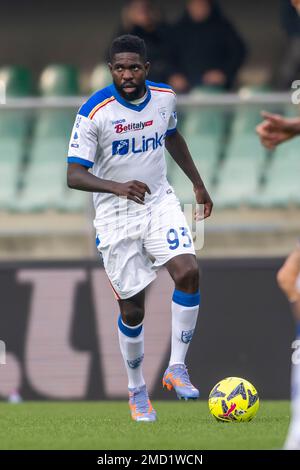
{"x":289,"y":281}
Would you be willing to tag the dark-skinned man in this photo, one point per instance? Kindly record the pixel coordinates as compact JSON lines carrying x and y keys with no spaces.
{"x":121,"y":133}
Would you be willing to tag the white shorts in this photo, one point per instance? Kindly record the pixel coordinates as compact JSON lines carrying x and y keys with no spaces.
{"x":133,"y":249}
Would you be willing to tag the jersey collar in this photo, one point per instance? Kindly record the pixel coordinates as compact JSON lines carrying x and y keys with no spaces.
{"x":127,"y":104}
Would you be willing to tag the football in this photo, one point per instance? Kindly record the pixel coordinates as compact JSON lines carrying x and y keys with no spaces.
{"x":233,"y":399}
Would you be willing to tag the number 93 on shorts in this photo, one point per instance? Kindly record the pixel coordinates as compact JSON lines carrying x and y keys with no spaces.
{"x":135,"y":249}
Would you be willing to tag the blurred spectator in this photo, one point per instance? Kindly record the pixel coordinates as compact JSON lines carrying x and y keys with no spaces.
{"x":206,"y":49}
{"x":296,"y":4}
{"x":142,"y":18}
{"x":290,"y":19}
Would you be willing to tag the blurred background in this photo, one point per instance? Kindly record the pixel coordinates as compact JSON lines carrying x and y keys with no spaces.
{"x":227,"y":60}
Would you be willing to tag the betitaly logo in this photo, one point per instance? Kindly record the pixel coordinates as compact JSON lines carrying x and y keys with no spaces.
{"x":121,"y":128}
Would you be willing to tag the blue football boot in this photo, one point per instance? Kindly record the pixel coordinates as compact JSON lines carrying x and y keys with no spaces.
{"x":140,"y":405}
{"x":177,"y":377}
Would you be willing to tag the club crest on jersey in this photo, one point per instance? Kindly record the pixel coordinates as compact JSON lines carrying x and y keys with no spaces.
{"x":186,"y":336}
{"x":163,"y":113}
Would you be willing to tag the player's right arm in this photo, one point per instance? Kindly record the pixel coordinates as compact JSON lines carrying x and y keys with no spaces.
{"x":81,"y":157}
{"x":276,"y":129}
{"x":78,"y":177}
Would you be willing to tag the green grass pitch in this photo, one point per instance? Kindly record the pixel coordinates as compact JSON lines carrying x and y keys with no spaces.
{"x":107,"y":426}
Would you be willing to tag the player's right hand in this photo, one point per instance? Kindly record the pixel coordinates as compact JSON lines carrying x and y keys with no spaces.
{"x":133,"y":190}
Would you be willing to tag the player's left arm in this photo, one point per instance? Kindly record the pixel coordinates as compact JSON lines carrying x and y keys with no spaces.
{"x":178,"y":149}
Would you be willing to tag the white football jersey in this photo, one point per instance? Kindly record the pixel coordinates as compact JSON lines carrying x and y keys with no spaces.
{"x":122,"y":141}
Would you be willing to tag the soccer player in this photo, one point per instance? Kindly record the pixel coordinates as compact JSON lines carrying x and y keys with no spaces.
{"x":121,"y":132}
{"x":274,"y":130}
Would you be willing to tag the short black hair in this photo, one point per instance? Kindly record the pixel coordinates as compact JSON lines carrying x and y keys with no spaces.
{"x":128,"y":43}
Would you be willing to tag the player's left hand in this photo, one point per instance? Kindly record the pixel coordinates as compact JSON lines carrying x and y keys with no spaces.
{"x":202,"y":197}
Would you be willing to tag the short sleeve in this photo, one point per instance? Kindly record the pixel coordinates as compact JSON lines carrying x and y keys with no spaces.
{"x":84,"y":142}
{"x":173,"y":118}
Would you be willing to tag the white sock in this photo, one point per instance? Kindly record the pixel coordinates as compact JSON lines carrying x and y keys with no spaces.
{"x":185,"y":309}
{"x":131,"y":341}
